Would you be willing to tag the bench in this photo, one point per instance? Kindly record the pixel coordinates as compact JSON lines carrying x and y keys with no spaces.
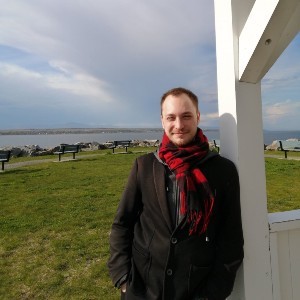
{"x":64,"y":148}
{"x":287,"y":146}
{"x":124,"y":144}
{"x":4,"y":157}
{"x":217,"y":145}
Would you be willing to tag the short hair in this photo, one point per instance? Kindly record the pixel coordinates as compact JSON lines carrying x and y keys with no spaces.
{"x":177,"y":92}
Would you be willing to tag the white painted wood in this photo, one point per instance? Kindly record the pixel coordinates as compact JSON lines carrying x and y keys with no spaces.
{"x":275,"y":266}
{"x":283,"y":221}
{"x":243,"y":58}
{"x":253,"y":30}
{"x":242,"y":142}
{"x":294,"y":238}
{"x":285,"y":254}
{"x":271,"y":26}
{"x":284,"y":265}
{"x":284,"y":216}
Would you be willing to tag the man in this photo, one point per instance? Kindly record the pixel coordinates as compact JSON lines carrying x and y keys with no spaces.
{"x":177,"y":234}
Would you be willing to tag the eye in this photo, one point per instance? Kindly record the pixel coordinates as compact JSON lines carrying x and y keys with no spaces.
{"x":170,"y":118}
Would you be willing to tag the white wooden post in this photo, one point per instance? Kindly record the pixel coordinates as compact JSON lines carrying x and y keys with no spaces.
{"x":241,"y":135}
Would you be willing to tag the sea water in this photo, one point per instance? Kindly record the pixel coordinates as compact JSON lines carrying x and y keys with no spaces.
{"x":52,"y":140}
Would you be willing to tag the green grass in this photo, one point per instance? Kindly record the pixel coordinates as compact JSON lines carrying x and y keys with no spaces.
{"x":282,"y":178}
{"x":55,"y":221}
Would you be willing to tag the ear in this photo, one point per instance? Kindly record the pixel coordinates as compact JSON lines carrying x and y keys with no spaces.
{"x":198,"y":117}
{"x":162,"y":121}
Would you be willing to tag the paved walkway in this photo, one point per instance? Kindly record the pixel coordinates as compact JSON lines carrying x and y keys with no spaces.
{"x":9,"y":166}
{"x":39,"y":161}
{"x":282,"y":157}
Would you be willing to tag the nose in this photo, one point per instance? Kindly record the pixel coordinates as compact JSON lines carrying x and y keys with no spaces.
{"x":178,"y":124}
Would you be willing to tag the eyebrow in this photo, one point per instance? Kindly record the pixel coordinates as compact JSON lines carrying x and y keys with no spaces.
{"x":187,"y":113}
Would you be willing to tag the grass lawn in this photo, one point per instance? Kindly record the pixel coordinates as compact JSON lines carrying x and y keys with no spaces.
{"x":55,"y":220}
{"x":283,"y":187}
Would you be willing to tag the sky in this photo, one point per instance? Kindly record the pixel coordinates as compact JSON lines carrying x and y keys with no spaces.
{"x":104,"y":63}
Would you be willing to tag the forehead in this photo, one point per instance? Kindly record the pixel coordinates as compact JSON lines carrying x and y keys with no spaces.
{"x":178,"y":104}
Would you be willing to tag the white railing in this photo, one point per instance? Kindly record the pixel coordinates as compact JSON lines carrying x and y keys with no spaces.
{"x":285,"y":254}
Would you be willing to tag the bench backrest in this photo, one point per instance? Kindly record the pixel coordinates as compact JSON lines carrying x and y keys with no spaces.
{"x":74,"y":148}
{"x":122,"y":143}
{"x":289,"y":144}
{"x":67,"y":148}
{"x":5,"y":154}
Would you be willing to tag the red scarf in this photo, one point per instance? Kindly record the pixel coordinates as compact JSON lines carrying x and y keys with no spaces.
{"x":195,"y":196}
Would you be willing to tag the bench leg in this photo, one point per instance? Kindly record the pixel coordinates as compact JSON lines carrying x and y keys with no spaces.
{"x":74,"y":155}
{"x":285,"y":154}
{"x":59,"y":156}
{"x":113,"y":150}
{"x":2,"y":165}
{"x":126,"y":148}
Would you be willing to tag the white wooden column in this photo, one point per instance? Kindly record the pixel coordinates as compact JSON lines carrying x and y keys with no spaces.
{"x":241,"y":138}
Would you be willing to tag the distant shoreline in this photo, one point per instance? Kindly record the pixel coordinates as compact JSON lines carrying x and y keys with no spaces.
{"x":53,"y":131}
{"x":39,"y":131}
{"x":51,"y":137}
{"x":81,"y":130}
{"x":74,"y":131}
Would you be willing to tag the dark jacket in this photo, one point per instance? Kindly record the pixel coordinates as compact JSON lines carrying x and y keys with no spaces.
{"x":166,"y":263}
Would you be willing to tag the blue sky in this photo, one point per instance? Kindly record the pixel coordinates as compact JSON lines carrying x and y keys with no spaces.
{"x":107,"y":63}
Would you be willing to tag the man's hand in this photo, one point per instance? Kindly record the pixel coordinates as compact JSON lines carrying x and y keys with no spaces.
{"x":123,"y":287}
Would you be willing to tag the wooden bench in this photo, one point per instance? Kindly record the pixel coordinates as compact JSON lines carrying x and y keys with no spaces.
{"x":117,"y":144}
{"x":4,"y":157}
{"x":217,"y":145}
{"x":64,"y":148}
{"x":288,"y":146}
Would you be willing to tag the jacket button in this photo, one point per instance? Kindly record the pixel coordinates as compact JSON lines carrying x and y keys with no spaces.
{"x":173,"y":240}
{"x":169,"y":272}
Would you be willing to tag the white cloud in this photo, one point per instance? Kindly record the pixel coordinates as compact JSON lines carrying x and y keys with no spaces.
{"x":281,"y":89}
{"x":285,"y":73}
{"x":109,"y":61}
{"x":131,"y":28}
{"x":282,"y":115}
{"x":14,"y":71}
{"x":209,"y":120}
{"x":69,"y":81}
{"x":287,"y":77}
{"x":286,"y":108}
{"x":25,"y":27}
{"x":77,"y":82}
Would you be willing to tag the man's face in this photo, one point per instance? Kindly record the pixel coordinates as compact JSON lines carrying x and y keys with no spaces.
{"x":179,"y":119}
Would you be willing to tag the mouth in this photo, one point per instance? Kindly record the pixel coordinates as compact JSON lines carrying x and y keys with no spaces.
{"x":179,"y":133}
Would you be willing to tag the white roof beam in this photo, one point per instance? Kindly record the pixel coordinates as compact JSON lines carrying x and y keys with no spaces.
{"x":270,"y":27}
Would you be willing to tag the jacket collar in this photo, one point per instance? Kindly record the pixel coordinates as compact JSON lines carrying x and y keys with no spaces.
{"x":160,"y":187}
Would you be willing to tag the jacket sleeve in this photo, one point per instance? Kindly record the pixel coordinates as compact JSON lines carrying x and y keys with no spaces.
{"x":230,"y":241}
{"x":121,"y":235}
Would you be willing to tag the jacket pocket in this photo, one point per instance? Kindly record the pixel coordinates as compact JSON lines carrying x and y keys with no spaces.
{"x":141,"y":262}
{"x":197,"y":276}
